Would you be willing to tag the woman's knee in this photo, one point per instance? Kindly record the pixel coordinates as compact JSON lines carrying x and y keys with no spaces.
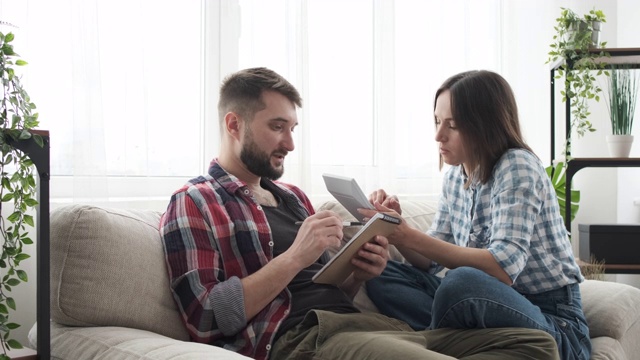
{"x":466,"y":282}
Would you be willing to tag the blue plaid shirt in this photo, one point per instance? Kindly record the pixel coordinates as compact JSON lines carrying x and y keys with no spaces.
{"x":516,"y":216}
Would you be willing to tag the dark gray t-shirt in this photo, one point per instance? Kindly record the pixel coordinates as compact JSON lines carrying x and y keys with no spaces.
{"x":305,"y":294}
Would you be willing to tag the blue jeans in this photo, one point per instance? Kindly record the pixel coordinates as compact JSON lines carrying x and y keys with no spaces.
{"x":470,"y":298}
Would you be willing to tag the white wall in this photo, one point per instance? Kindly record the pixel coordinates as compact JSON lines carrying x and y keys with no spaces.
{"x":629,"y":178}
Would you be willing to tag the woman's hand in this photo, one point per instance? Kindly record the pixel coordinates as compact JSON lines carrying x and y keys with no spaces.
{"x":386,"y":200}
{"x":401,"y":233}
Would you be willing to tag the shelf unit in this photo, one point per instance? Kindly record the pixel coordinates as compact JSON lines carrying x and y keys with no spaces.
{"x":628,"y":56}
{"x":41,"y":159}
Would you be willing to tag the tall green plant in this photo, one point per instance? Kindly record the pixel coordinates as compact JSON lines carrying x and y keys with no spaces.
{"x":559,"y":180}
{"x":18,"y":188}
{"x":623,"y":95}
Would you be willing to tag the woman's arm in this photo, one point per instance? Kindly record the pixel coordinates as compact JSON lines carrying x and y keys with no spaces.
{"x":449,"y":255}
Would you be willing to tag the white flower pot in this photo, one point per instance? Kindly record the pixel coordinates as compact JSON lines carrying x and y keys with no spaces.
{"x":619,"y":145}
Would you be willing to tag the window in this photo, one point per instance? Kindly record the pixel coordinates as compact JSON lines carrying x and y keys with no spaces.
{"x":128,"y":89}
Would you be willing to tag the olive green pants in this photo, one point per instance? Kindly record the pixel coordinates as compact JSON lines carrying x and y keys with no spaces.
{"x":325,"y":335}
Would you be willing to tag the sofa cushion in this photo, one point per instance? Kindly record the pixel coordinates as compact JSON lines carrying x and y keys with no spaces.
{"x":108,"y":269}
{"x":118,"y":343}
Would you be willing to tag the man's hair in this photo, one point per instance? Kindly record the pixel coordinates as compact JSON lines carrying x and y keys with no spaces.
{"x":485,"y":112}
{"x":241,"y":92}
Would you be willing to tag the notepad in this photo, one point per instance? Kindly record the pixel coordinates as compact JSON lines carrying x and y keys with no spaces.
{"x":336,"y":271}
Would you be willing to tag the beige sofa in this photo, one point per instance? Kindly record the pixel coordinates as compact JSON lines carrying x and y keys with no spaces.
{"x":110,"y":295}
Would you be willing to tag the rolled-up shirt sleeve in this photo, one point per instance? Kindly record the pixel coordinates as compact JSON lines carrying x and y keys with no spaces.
{"x":227,"y":300}
{"x":516,"y":204}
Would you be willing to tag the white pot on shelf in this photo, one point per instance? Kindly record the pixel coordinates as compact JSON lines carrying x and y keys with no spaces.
{"x":619,"y":145}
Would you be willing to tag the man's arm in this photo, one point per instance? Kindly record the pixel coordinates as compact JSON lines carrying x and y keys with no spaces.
{"x":197,"y":279}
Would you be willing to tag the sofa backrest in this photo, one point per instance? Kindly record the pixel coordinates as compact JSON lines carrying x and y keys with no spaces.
{"x":108,"y":269}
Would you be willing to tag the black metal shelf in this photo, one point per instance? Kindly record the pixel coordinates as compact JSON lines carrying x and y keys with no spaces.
{"x":576,"y":164}
{"x":41,"y":159}
{"x":630,"y":56}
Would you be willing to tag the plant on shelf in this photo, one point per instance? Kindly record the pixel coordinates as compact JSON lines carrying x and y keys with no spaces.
{"x":577,"y":57}
{"x":18,"y":190}
{"x":593,"y":269}
{"x":558,"y":177}
{"x":622,"y":95}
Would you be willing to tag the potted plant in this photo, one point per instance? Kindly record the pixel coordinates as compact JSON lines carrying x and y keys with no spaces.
{"x":594,"y":18}
{"x":577,"y":54}
{"x":558,"y":177}
{"x":18,"y":190}
{"x":622,"y":96}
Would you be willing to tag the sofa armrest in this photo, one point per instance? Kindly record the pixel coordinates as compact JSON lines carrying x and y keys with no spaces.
{"x":120,"y":343}
{"x":613,"y":315}
{"x":610,"y":308}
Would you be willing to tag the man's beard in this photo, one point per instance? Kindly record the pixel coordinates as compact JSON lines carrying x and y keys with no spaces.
{"x":257,"y":161}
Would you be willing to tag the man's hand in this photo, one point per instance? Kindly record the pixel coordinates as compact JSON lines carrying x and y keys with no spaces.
{"x":371,"y":259}
{"x":317,"y":233}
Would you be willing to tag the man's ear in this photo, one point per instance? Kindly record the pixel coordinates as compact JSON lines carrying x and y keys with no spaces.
{"x":233,"y":125}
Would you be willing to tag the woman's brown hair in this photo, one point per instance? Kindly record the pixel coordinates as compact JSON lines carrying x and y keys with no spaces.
{"x":485,"y":112}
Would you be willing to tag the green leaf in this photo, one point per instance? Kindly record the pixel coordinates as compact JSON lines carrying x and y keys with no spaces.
{"x":11,"y":303}
{"x":14,"y":344}
{"x":22,"y":256}
{"x":13,"y":282}
{"x":38,"y":138}
{"x":22,"y":275}
{"x":6,"y":183}
{"x":24,"y":134}
{"x":14,"y":217}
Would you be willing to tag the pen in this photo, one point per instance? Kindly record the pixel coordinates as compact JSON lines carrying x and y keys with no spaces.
{"x":344,"y":223}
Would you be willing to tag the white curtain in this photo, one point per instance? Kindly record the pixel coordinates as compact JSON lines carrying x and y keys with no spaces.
{"x":128,"y":88}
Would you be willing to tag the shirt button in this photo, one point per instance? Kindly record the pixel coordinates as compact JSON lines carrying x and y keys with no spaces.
{"x":259,"y":207}
{"x":268,"y":347}
{"x":286,"y":312}
{"x":271,"y":243}
{"x":246,"y":192}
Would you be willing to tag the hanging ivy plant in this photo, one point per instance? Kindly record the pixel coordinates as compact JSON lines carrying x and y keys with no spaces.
{"x":573,"y":44}
{"x":18,"y":188}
